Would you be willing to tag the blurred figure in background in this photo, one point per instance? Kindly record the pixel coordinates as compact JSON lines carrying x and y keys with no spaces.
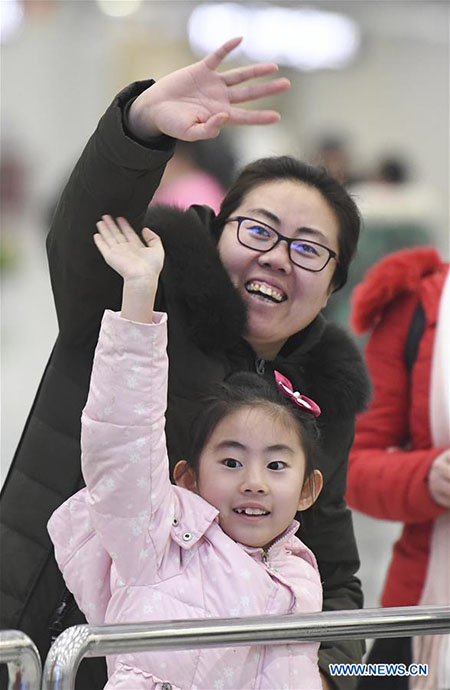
{"x":198,"y":173}
{"x":399,"y":466}
{"x":390,"y":199}
{"x":397,"y":213}
{"x":333,"y":153}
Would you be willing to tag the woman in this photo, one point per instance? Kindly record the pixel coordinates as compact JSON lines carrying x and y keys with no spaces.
{"x":234,"y":309}
{"x":400,"y":462}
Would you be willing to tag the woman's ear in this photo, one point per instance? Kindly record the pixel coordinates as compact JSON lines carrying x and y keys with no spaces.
{"x":184,"y":476}
{"x":312,"y":487}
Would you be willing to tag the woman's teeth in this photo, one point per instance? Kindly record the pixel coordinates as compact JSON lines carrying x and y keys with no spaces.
{"x":256,"y":288}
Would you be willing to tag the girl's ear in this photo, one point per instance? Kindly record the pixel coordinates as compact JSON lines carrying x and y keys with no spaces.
{"x":184,"y":476}
{"x":312,"y":487}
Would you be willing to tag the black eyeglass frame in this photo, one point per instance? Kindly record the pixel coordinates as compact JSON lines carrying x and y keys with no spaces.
{"x":289,"y":240}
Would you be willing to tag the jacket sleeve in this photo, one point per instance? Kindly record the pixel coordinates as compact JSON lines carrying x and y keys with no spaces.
{"x":385,"y":479}
{"x":82,"y":560}
{"x":114,"y":175}
{"x":124,"y":456}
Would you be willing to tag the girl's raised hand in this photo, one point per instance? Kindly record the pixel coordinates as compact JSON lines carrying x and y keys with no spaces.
{"x":135,"y":260}
{"x":194,"y":102}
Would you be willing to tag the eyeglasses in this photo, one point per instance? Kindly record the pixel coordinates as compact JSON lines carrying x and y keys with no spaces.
{"x":309,"y":255}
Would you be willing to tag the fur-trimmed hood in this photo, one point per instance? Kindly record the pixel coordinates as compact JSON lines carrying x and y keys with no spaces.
{"x":322,"y":357}
{"x":395,"y":274}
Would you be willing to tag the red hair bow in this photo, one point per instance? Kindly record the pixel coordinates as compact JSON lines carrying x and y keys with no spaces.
{"x":301,"y":400}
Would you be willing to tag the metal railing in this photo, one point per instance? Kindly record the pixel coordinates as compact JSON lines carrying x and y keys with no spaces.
{"x":83,"y":640}
{"x":21,"y":656}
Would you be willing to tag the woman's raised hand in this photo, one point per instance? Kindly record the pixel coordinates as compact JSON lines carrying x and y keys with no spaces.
{"x":196,"y":101}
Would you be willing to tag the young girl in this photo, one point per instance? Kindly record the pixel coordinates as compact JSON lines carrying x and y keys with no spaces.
{"x":219,"y":543}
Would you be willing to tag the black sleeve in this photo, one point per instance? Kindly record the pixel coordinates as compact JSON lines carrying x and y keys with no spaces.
{"x":328,"y":531}
{"x":116,"y":175}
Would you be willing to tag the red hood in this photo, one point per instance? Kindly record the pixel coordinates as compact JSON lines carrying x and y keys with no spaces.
{"x":399,"y":272}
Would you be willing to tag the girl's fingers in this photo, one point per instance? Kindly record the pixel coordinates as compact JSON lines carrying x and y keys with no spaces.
{"x":213,"y":60}
{"x":240,"y":74}
{"x":149,"y":236}
{"x":105,"y":233}
{"x":250,"y":92}
{"x":113,"y":229}
{"x":128,"y":232}
{"x":101,"y":244}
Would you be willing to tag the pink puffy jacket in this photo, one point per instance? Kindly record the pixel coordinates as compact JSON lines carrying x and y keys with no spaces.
{"x":133,"y":547}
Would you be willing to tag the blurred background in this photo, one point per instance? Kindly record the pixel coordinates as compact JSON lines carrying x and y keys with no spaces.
{"x":369,"y":99}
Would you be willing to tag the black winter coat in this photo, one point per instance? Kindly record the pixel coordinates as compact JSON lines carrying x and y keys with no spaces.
{"x":118,"y":175}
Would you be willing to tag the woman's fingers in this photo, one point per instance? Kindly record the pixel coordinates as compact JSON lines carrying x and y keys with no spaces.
{"x":240,"y":74}
{"x":213,"y":60}
{"x":250,"y":92}
{"x":209,"y":129}
{"x":239,"y":116}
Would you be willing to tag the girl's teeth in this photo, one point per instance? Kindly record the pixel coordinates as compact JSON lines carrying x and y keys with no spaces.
{"x":252,"y":511}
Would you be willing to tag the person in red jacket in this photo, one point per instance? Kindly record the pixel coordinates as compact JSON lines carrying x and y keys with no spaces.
{"x":396,"y":469}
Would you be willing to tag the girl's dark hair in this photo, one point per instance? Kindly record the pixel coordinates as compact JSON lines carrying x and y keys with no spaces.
{"x":247,"y":389}
{"x":289,"y":168}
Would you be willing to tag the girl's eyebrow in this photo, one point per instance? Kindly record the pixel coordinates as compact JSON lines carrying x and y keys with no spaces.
{"x":275,"y":448}
{"x":276,"y":221}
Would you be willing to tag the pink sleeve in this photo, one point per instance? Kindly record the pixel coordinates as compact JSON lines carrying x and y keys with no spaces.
{"x":124,"y":456}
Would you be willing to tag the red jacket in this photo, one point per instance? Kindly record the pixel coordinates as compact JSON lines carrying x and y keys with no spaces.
{"x":393,"y":451}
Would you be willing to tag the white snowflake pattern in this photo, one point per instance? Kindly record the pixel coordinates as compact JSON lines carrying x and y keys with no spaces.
{"x":140,"y":442}
{"x":107,"y":411}
{"x":156,"y":596}
{"x":141,"y":482}
{"x":136,"y":529}
{"x":108,"y":483}
{"x":148,"y":608}
{"x":245,"y":574}
{"x":228,"y":672}
{"x":131,"y":381}
{"x":143,"y":554}
{"x":134,"y":458}
{"x":140,"y":409}
{"x":90,"y":607}
{"x":219,"y":684}
{"x":245,"y":602}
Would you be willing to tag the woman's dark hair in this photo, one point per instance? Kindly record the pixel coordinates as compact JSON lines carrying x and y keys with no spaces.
{"x":288,"y":168}
{"x":247,"y":389}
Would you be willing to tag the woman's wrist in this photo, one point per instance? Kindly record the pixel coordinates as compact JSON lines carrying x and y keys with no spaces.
{"x":139,"y":121}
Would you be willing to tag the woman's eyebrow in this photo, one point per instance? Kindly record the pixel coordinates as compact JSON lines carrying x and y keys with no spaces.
{"x":276,"y":221}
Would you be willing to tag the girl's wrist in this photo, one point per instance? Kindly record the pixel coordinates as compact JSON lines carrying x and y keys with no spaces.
{"x":138,"y":300}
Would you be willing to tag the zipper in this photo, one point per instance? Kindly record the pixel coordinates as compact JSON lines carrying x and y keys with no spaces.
{"x":260,"y":365}
{"x":66,"y":604}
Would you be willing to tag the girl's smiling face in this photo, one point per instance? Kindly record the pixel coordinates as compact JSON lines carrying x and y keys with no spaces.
{"x":252,"y":469}
{"x":295,"y":210}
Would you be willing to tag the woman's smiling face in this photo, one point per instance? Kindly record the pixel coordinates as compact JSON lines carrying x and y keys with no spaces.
{"x":295,"y":210}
